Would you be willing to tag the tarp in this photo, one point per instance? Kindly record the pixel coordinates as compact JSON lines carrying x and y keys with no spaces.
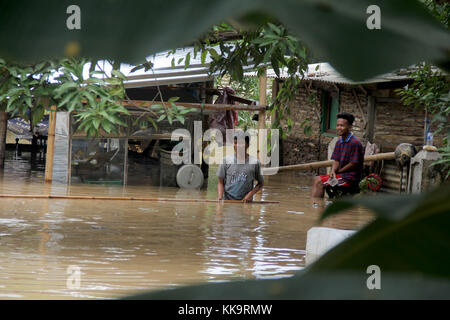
{"x":21,"y":128}
{"x":225,"y":119}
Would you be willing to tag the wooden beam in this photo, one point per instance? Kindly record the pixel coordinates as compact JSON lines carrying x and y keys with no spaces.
{"x":362,"y":89}
{"x":262,"y":102}
{"x":389,"y":100}
{"x":3,"y":133}
{"x":324,"y":164}
{"x":50,"y":145}
{"x":206,"y":106}
{"x":44,"y":196}
{"x":371,"y":114}
{"x":275,"y":89}
{"x":358,"y":103}
{"x":213,"y":91}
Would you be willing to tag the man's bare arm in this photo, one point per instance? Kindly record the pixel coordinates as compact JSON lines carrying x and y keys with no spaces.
{"x":348,"y":167}
{"x":220,"y":189}
{"x":334,"y":169}
{"x":249,"y":196}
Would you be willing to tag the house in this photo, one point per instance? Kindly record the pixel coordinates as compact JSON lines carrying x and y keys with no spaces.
{"x":381,"y":117}
{"x":140,"y":153}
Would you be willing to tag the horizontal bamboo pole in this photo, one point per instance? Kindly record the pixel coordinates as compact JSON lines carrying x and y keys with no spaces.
{"x":324,"y":164}
{"x":206,"y":106}
{"x":45,"y":196}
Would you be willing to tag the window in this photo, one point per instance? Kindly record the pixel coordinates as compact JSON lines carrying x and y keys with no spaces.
{"x":330,"y":109}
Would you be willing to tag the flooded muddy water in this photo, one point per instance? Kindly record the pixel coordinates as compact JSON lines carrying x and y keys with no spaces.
{"x":126,"y":247}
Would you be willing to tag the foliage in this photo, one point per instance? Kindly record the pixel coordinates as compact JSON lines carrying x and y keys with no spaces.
{"x":334,"y":30}
{"x":409,"y":241}
{"x":431,"y":88}
{"x":366,"y":182}
{"x":26,"y":91}
{"x":444,"y":162}
{"x":431,"y":91}
{"x":270,"y":45}
{"x":439,"y":9}
{"x":174,"y":113}
{"x":95,"y":100}
{"x":248,"y":88}
{"x":246,"y":121}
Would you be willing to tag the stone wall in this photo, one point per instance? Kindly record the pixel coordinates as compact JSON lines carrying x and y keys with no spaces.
{"x":394,"y":123}
{"x":300,"y":148}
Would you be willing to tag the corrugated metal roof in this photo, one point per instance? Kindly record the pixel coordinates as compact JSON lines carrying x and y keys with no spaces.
{"x":163,"y":73}
{"x":326,"y":73}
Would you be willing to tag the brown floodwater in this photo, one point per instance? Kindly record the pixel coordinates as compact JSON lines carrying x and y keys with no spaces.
{"x":126,"y":247}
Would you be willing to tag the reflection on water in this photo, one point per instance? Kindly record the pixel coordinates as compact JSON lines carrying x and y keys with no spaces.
{"x":124,"y":247}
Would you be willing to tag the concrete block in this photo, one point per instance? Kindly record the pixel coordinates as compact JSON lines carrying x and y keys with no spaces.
{"x":320,"y":239}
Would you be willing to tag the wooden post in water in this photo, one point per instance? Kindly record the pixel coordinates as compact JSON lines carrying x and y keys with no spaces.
{"x":3,"y":132}
{"x":50,"y":145}
{"x":262,"y":102}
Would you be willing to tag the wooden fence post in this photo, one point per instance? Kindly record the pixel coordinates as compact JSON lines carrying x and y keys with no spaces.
{"x":3,"y":133}
{"x":262,"y":102}
{"x":50,"y":145}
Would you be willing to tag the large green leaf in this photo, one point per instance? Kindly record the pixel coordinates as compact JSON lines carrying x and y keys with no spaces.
{"x":335,"y":30}
{"x":330,"y":285}
{"x":412,"y":250}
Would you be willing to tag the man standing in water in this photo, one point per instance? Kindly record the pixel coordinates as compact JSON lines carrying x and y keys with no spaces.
{"x":348,"y":159}
{"x":237,"y":173}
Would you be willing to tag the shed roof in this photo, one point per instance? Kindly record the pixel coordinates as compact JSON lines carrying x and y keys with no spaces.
{"x":326,"y":73}
{"x":164,"y":73}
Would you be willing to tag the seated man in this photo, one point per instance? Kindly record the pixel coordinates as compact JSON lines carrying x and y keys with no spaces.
{"x":348,"y":157}
{"x":236,"y":176}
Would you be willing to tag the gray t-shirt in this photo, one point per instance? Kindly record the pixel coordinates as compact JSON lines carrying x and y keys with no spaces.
{"x":239,"y":178}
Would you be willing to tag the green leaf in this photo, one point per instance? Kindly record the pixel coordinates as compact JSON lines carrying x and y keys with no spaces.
{"x":106,"y":125}
{"x":67,"y":98}
{"x":185,"y":111}
{"x":180,"y":118}
{"x":96,"y":123}
{"x":72,"y":105}
{"x":203,"y":56}
{"x":187,"y":61}
{"x":406,"y":26}
{"x":161,"y":118}
{"x":119,"y":74}
{"x":28,"y":102}
{"x":156,"y":107}
{"x":274,"y":28}
{"x":37,"y":114}
{"x":63,"y":88}
{"x":214,"y":53}
{"x":152,"y":121}
{"x":10,"y":105}
{"x":173,"y":99}
{"x":318,"y":286}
